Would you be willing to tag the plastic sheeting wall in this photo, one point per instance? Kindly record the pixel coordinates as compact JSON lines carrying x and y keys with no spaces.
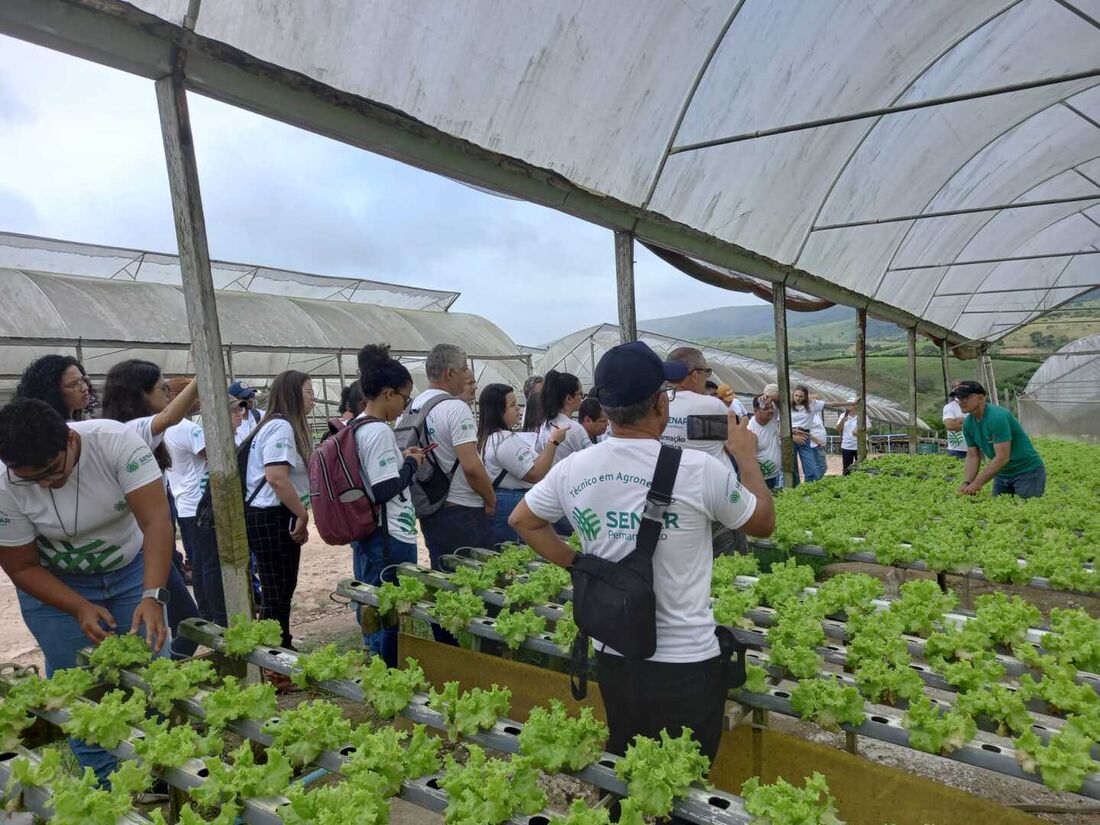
{"x":1063,"y":396}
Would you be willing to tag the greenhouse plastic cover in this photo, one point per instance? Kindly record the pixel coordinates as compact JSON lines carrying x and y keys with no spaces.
{"x":1063,"y":396}
{"x":579,"y":352}
{"x":588,"y":107}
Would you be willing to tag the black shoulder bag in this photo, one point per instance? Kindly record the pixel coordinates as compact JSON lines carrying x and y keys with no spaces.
{"x":614,"y":602}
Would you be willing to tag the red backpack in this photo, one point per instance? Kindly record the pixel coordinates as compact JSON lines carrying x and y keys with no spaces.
{"x":343,"y":509}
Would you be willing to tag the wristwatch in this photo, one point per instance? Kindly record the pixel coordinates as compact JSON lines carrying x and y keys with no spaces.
{"x":157,"y":594}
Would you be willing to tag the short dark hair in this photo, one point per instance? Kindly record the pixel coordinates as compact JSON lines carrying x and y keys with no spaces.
{"x":625,"y":416}
{"x":32,"y":433}
{"x":712,"y":386}
{"x":590,"y":409}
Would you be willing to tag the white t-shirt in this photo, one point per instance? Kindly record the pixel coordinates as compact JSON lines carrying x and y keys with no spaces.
{"x":251,"y":419}
{"x":692,"y":403}
{"x":602,"y":492}
{"x":804,"y":416}
{"x":955,"y":441}
{"x":849,"y":439}
{"x":736,"y":406}
{"x":380,"y":460}
{"x":113,"y":462}
{"x":274,"y":444}
{"x":451,"y":424}
{"x":769,"y":454}
{"x":506,"y":450}
{"x":575,"y":440}
{"x":188,"y":475}
{"x":144,"y":428}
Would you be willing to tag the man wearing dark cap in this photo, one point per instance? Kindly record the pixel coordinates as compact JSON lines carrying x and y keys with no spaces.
{"x":1014,"y":466}
{"x":602,"y":492}
{"x":252,"y":415}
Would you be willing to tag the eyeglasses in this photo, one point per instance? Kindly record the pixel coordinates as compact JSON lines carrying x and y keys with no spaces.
{"x":670,"y":391}
{"x":407,"y":399}
{"x":77,"y":384}
{"x":52,"y":473}
{"x":705,"y":370}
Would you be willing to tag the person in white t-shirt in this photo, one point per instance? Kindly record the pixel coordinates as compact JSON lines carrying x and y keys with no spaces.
{"x":252,"y":414}
{"x":561,"y":398}
{"x":806,"y":410}
{"x":689,"y":402}
{"x":953,"y":418}
{"x":510,"y":461}
{"x":85,"y":536}
{"x":602,"y":491}
{"x":848,"y":425}
{"x":137,"y":394}
{"x":387,"y":389}
{"x":769,"y":455}
{"x":462,"y":521}
{"x":728,"y":397}
{"x":277,"y":493}
{"x":591,"y":416}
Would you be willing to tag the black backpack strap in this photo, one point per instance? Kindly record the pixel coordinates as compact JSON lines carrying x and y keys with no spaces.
{"x":578,"y":666}
{"x":499,"y":479}
{"x":658,"y":500}
{"x":733,"y":657}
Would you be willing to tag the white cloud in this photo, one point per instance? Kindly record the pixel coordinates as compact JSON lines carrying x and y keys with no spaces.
{"x":82,"y":160}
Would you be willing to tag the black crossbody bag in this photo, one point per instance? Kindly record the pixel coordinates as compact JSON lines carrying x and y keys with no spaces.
{"x":614,"y":602}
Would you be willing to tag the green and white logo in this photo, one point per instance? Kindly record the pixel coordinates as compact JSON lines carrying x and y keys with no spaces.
{"x":588,"y":523}
{"x":388,"y":458}
{"x":407,"y":520}
{"x":138,"y":458}
{"x":282,"y":444}
{"x":5,"y":521}
{"x":91,"y":557}
{"x":767,"y":468}
{"x":735,"y":494}
{"x":121,"y":506}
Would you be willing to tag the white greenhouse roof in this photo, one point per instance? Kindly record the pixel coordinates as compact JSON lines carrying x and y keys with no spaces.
{"x":1063,"y":395}
{"x":934,"y":161}
{"x":579,"y":352}
{"x":28,"y":252}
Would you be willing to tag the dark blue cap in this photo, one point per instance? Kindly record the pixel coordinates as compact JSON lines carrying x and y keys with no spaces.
{"x":632,"y":372}
{"x":239,"y":389}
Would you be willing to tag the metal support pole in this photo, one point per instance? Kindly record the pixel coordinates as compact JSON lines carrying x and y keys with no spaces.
{"x":324,"y":395}
{"x":861,"y":368}
{"x":992,"y":385}
{"x":80,"y":350}
{"x":914,"y":433}
{"x":944,"y":355}
{"x":229,"y":362}
{"x":202,"y":322}
{"x":340,"y":369}
{"x":624,"y":284}
{"x":592,"y":358}
{"x":783,"y":379}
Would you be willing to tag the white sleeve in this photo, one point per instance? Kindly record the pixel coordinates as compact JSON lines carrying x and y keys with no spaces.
{"x":144,"y":428}
{"x":278,"y":444}
{"x":948,"y":413}
{"x":15,"y":528}
{"x":133,"y":461}
{"x":723,"y":496}
{"x":578,"y":437}
{"x":460,"y":422}
{"x":378,"y":454}
{"x":545,"y":499}
{"x":196,"y":439}
{"x":513,"y":455}
{"x":816,"y":406}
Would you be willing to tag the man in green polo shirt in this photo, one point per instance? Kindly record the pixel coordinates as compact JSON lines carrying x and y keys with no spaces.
{"x":1014,"y":466}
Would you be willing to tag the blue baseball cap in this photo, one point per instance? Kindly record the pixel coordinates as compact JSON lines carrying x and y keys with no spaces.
{"x":632,"y":372}
{"x":239,"y":389}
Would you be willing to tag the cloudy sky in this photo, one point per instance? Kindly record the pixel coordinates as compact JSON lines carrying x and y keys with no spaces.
{"x":81,"y":159}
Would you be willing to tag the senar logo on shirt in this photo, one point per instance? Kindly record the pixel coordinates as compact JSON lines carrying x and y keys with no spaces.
{"x":121,"y":506}
{"x":388,"y":458}
{"x":588,"y":523}
{"x":282,"y":444}
{"x":407,"y":520}
{"x":138,"y":458}
{"x":735,"y":494}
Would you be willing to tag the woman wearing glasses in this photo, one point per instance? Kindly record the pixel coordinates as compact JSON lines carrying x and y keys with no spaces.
{"x":136,"y":394}
{"x":387,"y":388}
{"x":277,"y":493}
{"x":61,"y":382}
{"x":561,"y":398}
{"x":85,"y":535}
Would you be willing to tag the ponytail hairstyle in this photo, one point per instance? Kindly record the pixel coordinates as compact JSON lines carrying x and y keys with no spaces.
{"x":556,"y":387}
{"x":284,"y":400}
{"x":532,"y":410}
{"x":124,"y":396}
{"x":491,"y":405}
{"x":378,"y":371}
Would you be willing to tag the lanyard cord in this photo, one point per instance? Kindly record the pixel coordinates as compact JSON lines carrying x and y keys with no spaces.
{"x":76,"y":515}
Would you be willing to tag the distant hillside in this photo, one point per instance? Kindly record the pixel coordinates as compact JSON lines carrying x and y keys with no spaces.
{"x":747,"y":322}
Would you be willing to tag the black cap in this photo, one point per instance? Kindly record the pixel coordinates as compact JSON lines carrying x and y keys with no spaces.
{"x":968,"y":388}
{"x":632,"y":372}
{"x":241,"y":390}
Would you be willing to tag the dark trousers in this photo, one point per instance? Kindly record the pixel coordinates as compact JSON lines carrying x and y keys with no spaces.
{"x":277,"y":556}
{"x":450,"y":527}
{"x":644,"y":698}
{"x":201,"y":545}
{"x":848,"y":458}
{"x":180,"y":606}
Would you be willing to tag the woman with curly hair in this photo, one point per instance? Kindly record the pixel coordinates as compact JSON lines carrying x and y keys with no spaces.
{"x":61,"y":382}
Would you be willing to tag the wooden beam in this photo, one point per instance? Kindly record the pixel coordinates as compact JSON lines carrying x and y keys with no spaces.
{"x":945,"y":353}
{"x":624,"y":286}
{"x":861,"y":368}
{"x":202,"y":321}
{"x":783,"y":379}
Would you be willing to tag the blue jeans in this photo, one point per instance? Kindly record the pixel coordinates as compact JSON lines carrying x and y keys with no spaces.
{"x":201,"y":545}
{"x":368,"y":563}
{"x":957,"y":453}
{"x":807,"y":454}
{"x":60,"y":637}
{"x":450,"y":527}
{"x":498,"y":529}
{"x":822,"y":461}
{"x":1031,"y":484}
